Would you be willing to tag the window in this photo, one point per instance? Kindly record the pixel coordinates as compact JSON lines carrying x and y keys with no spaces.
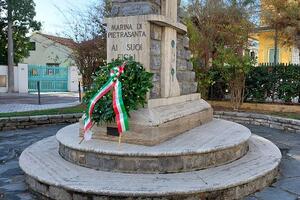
{"x":32,"y":46}
{"x":271,"y":56}
{"x":53,"y":64}
{"x":252,"y":55}
{"x":2,"y":81}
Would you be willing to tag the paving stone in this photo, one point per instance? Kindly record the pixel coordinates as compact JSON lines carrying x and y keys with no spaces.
{"x":290,"y":168}
{"x":275,"y":194}
{"x":291,"y":185}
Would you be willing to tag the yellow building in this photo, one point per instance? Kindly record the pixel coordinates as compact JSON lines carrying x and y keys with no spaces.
{"x":265,"y":37}
{"x":266,"y":50}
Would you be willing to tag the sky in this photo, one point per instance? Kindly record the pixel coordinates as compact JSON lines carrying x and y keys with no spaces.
{"x":53,"y":13}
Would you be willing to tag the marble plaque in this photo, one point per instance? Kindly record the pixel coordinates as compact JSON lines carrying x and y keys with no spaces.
{"x":128,"y":37}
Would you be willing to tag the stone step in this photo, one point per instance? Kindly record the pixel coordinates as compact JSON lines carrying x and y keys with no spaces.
{"x":213,"y":144}
{"x":52,"y":176}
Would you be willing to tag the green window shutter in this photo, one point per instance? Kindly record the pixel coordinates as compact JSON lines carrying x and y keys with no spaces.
{"x":271,"y":55}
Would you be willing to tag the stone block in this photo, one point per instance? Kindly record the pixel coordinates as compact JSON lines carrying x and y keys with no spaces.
{"x":20,"y":119}
{"x":188,"y":76}
{"x":92,"y":160}
{"x":100,"y":198}
{"x":7,"y":128}
{"x":189,"y":65}
{"x":78,"y":115}
{"x":276,"y":126}
{"x":156,"y":77}
{"x":54,"y":117}
{"x":186,"y":42}
{"x":155,"y":91}
{"x":59,"y":193}
{"x":37,"y":186}
{"x":134,"y":8}
{"x":188,"y":54}
{"x":4,"y":119}
{"x":41,"y":122}
{"x":155,"y":48}
{"x":155,"y":32}
{"x":38,"y":118}
{"x":79,"y":197}
{"x":155,"y":62}
{"x":188,"y":87}
{"x":68,"y":116}
{"x":180,"y":53}
{"x":181,"y":67}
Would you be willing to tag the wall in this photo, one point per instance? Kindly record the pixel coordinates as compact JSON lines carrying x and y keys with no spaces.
{"x":185,"y":74}
{"x":3,"y":71}
{"x":48,"y":51}
{"x":73,"y":79}
{"x":155,"y":59}
{"x":286,"y":124}
{"x":13,"y":123}
{"x":23,"y":78}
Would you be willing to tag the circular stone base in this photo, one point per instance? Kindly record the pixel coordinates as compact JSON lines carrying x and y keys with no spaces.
{"x":52,"y":176}
{"x":213,"y":144}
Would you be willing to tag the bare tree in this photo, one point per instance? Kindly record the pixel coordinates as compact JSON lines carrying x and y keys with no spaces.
{"x":89,"y":33}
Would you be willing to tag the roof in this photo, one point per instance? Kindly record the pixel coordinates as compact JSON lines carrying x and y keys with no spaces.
{"x":63,"y":41}
{"x":263,"y":29}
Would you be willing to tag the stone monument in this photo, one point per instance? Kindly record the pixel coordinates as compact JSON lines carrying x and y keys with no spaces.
{"x":151,"y":33}
{"x":174,"y":149}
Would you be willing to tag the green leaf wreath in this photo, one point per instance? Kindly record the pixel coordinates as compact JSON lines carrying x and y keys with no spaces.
{"x":136,"y":83}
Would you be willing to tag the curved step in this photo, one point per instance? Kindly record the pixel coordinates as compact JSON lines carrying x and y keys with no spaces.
{"x":210,"y":145}
{"x":54,"y":177}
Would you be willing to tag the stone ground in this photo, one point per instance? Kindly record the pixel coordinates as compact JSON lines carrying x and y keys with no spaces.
{"x":12,"y":143}
{"x":29,"y":102}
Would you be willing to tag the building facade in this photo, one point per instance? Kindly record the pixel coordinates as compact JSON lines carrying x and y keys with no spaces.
{"x":48,"y":50}
{"x":286,"y":53}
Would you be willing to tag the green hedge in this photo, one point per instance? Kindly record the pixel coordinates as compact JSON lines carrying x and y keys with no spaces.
{"x":281,"y":81}
{"x":266,"y":81}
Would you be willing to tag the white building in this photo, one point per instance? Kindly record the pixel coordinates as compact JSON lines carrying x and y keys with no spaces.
{"x":46,"y":52}
{"x":50,"y":50}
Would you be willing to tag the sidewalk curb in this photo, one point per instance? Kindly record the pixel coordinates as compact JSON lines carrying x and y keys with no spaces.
{"x":280,"y":123}
{"x":13,"y":123}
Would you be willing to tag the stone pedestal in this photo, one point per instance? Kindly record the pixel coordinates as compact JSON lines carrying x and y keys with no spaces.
{"x":161,"y":120}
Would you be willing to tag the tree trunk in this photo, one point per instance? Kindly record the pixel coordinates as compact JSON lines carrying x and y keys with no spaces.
{"x":275,"y":59}
{"x":10,"y":50}
{"x":275,"y":45}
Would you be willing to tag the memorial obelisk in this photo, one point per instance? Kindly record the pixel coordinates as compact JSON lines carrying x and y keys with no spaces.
{"x":151,"y":32}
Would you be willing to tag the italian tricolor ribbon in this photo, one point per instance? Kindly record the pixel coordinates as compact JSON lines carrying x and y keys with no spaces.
{"x":118,"y":105}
